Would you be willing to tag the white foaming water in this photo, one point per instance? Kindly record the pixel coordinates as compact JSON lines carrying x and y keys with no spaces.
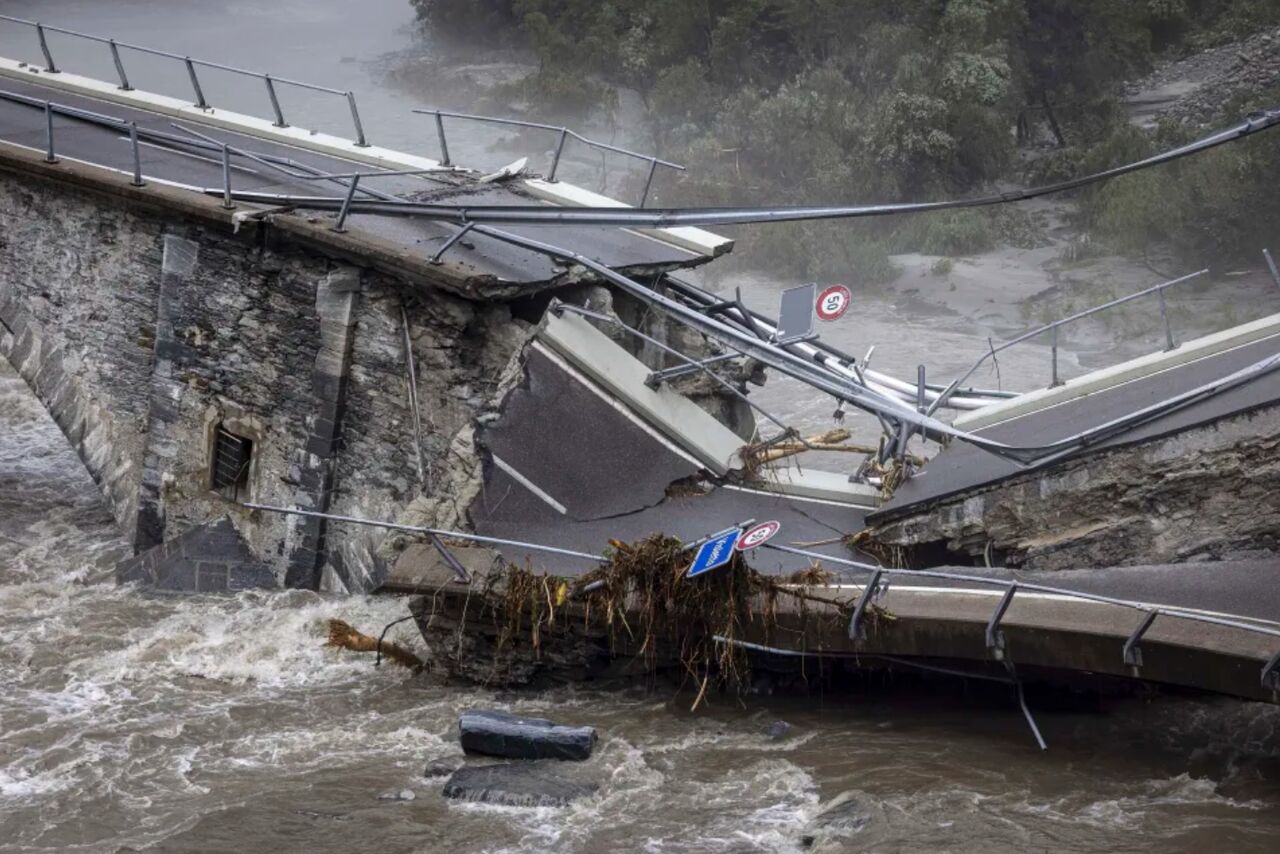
{"x":222,"y":722}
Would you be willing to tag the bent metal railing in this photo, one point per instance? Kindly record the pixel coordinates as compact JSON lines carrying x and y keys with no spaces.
{"x":565,"y":134}
{"x":1131,"y":652}
{"x":191,"y":64}
{"x":1052,"y":329}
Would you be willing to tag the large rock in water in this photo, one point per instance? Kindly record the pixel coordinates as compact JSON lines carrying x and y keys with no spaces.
{"x":500,"y":734}
{"x":516,"y":784}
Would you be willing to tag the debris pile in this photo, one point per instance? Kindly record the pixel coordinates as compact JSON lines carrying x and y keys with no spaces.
{"x":638,"y":614}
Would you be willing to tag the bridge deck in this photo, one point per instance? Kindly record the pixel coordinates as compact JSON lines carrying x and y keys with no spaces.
{"x":479,"y":255}
{"x":962,"y":467}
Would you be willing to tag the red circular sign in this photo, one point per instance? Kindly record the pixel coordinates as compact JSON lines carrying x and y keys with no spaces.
{"x":757,"y":535}
{"x":833,"y":301}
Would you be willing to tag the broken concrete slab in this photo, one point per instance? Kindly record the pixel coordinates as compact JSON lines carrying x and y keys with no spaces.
{"x":494,"y":733}
{"x":209,"y":558}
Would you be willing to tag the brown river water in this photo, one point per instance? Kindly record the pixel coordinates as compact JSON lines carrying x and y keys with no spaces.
{"x":202,"y":723}
{"x":134,"y":722}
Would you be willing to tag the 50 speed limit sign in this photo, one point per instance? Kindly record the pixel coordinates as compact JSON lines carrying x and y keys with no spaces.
{"x":833,"y":302}
{"x":757,"y":535}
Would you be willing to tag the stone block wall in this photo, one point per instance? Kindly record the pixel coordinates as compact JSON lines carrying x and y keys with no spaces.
{"x":1203,"y":493}
{"x":142,"y":331}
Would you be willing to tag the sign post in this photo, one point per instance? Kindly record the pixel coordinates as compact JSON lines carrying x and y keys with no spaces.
{"x":714,"y":553}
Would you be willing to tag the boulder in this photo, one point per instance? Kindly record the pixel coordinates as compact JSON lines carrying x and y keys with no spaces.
{"x":442,"y":767}
{"x":494,"y":733}
{"x":516,"y":784}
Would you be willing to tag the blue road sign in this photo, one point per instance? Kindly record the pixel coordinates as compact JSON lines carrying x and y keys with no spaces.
{"x":715,"y":552}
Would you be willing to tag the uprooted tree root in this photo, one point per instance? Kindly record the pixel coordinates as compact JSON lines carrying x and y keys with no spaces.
{"x":344,"y":636}
{"x":651,"y":612}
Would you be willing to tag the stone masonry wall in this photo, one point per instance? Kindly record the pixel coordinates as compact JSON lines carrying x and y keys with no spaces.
{"x":1204,"y":493}
{"x":142,"y":332}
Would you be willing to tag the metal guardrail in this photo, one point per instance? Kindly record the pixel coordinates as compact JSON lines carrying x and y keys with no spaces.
{"x":565,"y":134}
{"x":1052,"y":329}
{"x":191,"y":64}
{"x":874,"y":588}
{"x":896,"y":414}
{"x":1131,"y":651}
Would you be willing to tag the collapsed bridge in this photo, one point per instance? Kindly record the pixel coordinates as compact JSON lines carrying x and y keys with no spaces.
{"x":514,"y":358}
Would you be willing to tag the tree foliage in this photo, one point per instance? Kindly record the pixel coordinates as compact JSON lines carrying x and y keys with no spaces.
{"x":875,"y":100}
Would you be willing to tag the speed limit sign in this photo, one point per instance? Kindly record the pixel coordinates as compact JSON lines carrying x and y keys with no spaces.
{"x":757,"y":536}
{"x":833,"y":302}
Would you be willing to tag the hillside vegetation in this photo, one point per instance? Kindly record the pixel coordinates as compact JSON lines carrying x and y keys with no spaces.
{"x":816,"y":101}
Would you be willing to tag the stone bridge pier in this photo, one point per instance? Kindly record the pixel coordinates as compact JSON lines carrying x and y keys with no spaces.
{"x":196,"y":361}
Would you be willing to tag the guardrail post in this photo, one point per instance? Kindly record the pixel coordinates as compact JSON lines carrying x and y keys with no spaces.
{"x":137,"y":155}
{"x":227,"y":204}
{"x":355,"y":119}
{"x":555,"y":161}
{"x":1054,"y":382}
{"x":648,"y":181}
{"x":275,"y":102}
{"x":857,"y":631}
{"x":49,"y":67}
{"x":346,"y":205}
{"x":1271,"y":265}
{"x":1168,"y":330}
{"x":448,"y":244}
{"x":995,"y":637}
{"x":1132,"y":650}
{"x":115,"y":57}
{"x":195,"y":84}
{"x":49,"y":156}
{"x":444,"y":145}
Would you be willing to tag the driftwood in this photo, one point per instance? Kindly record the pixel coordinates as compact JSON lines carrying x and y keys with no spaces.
{"x":344,"y":636}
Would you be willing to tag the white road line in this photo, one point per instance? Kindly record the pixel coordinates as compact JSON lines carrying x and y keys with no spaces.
{"x":528,"y":484}
{"x":583,"y":379}
{"x":145,"y":177}
{"x":786,"y":496}
{"x":895,"y":586}
{"x":168,"y":150}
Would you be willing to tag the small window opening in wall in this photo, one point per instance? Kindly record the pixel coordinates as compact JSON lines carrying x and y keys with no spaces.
{"x":231,"y":457}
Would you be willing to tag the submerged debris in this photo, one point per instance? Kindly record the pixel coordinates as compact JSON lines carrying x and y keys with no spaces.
{"x":521,"y":784}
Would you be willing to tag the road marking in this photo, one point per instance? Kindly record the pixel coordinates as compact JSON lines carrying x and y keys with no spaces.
{"x":128,"y":172}
{"x":787,"y":496}
{"x":584,"y":380}
{"x":1061,"y":597}
{"x":528,"y":484}
{"x":166,"y":149}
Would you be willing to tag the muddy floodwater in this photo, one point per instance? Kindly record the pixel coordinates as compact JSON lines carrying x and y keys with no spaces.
{"x":136,"y":722}
{"x":191,"y":724}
